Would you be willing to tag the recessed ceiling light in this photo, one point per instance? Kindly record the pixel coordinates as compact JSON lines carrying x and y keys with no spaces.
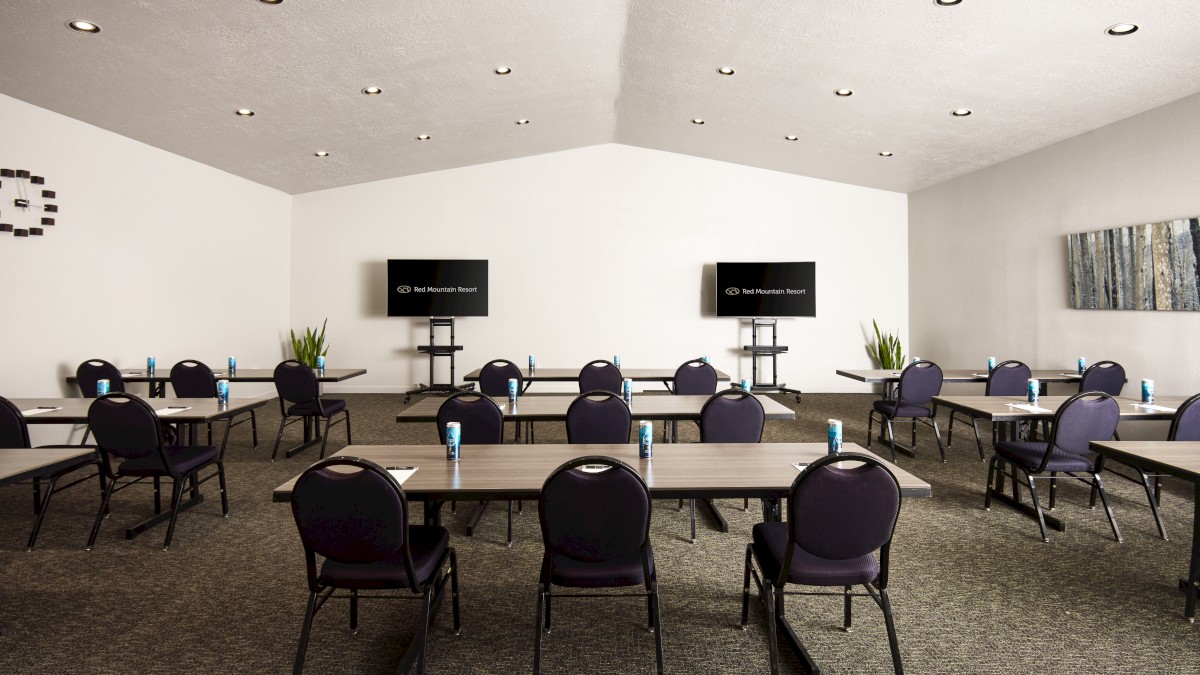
{"x":725,"y":71}
{"x":946,"y":3}
{"x":271,"y":2}
{"x":83,"y":26}
{"x":423,"y":137}
{"x":372,"y":91}
{"x":961,"y":112}
{"x":697,"y":120}
{"x":885,"y":153}
{"x":522,"y":123}
{"x":502,"y":70}
{"x":319,"y":153}
{"x":244,"y":112}
{"x":1121,"y":29}
{"x":843,"y":92}
{"x":790,"y":137}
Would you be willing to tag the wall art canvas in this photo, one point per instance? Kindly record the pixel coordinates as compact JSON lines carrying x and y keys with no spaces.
{"x":1151,"y":266}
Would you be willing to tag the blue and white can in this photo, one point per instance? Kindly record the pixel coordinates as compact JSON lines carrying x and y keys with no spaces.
{"x":453,"y":440}
{"x":645,"y":439}
{"x":1082,"y":365}
{"x":617,"y":360}
{"x":233,"y":366}
{"x":704,"y":358}
{"x":513,"y":389}
{"x":532,"y":363}
{"x":991,"y":363}
{"x":150,"y":366}
{"x":223,"y":391}
{"x":101,"y":388}
{"x":746,"y":385}
{"x":321,"y":363}
{"x":835,"y":436}
{"x":1147,"y":391}
{"x":916,"y":359}
{"x":1031,"y":390}
{"x":627,"y":391}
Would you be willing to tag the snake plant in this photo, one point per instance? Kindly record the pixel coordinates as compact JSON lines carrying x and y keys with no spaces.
{"x":310,"y":345}
{"x":886,"y":350}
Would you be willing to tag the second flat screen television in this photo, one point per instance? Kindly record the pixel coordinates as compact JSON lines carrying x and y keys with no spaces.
{"x":437,"y":288}
{"x":766,"y":289}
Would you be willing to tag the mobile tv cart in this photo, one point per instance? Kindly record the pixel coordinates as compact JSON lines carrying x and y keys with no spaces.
{"x":435,"y":351}
{"x":762,"y":351}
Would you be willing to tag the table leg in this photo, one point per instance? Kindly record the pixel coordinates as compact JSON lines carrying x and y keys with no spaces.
{"x":161,"y":517}
{"x":722,"y":524}
{"x":433,"y":512}
{"x":1193,"y":580}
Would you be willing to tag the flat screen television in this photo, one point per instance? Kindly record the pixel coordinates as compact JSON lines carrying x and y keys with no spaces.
{"x":766,"y":289}
{"x":437,"y":288}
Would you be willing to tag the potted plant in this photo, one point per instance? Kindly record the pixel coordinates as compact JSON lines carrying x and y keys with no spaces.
{"x":886,"y":350}
{"x":310,"y":345}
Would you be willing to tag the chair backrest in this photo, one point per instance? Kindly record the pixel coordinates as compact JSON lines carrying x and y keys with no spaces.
{"x":351,"y":510}
{"x":125,"y":426}
{"x":93,"y":370}
{"x":598,"y":417}
{"x":695,"y":378}
{"x":919,"y":383}
{"x":14,"y":433}
{"x":595,"y":516}
{"x":494,"y":377}
{"x":295,"y":382}
{"x":1086,"y":417}
{"x":600,"y":375}
{"x":1185,"y":426}
{"x":480,"y":417}
{"x":839,"y":513}
{"x":193,"y":379}
{"x":732,"y":416}
{"x":1008,"y":378}
{"x":1105,"y":376}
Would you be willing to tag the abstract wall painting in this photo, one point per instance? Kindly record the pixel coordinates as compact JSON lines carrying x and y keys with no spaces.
{"x":1152,"y":266}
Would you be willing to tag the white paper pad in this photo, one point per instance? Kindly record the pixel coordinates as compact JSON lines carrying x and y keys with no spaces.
{"x":1071,"y":374}
{"x":171,"y":411}
{"x":218,"y":372}
{"x":594,"y":468}
{"x":799,"y":466}
{"x":1151,"y":406}
{"x":39,"y":411}
{"x":1029,"y":407}
{"x":402,"y":474}
{"x":135,"y":372}
{"x":979,"y":375}
{"x":895,"y":374}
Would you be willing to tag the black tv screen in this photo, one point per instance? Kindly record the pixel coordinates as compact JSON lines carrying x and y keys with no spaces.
{"x":437,"y":288}
{"x":766,"y":289}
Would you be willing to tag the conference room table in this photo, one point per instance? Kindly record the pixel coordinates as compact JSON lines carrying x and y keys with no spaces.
{"x":889,"y":378}
{"x":21,"y":464}
{"x":162,"y":377}
{"x":664,"y":375}
{"x":669,"y":408}
{"x":1174,"y":458}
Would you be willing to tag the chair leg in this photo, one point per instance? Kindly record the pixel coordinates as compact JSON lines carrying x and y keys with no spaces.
{"x":454,"y":592}
{"x":423,"y":633}
{"x":913,"y":444}
{"x":298,"y":667}
{"x":108,"y":490}
{"x":324,"y":436}
{"x":937,"y":434}
{"x":349,"y":438}
{"x":176,"y":497}
{"x":772,"y":637}
{"x":893,"y":640}
{"x":41,"y":508}
{"x":278,"y":437}
{"x":37,"y":495}
{"x":693,"y":503}
{"x":870,"y":419}
{"x":353,"y":611}
{"x":224,"y":491}
{"x":892,"y":438}
{"x":1033,"y":496}
{"x":1053,"y":487}
{"x":978,"y":441}
{"x":987,"y":492}
{"x":658,"y":646}
{"x":1150,"y":496}
{"x":254,"y":428}
{"x":746,"y":588}
{"x":950,"y":429}
{"x":846,"y":617}
{"x":1098,"y":483}
{"x":510,"y":523}
{"x":87,"y":431}
{"x":537,"y":630}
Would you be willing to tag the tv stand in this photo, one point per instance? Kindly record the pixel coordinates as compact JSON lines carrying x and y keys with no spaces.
{"x":762,"y":351}
{"x":435,"y":351}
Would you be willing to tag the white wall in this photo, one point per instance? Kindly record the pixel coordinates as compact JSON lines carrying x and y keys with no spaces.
{"x":988,"y":261}
{"x":598,"y":251}
{"x":152,"y":254}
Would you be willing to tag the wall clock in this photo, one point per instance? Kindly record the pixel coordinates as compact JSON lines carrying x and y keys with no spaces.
{"x":26,"y":206}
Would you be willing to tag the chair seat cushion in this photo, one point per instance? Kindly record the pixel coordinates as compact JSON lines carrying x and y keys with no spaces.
{"x":427,"y":544}
{"x":897,"y":409}
{"x":626,"y":571}
{"x":770,"y":542}
{"x":331,"y":406}
{"x":182,"y":459}
{"x":1029,"y":455}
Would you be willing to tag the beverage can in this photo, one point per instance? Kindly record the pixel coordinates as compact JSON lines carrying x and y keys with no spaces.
{"x":150,"y":366}
{"x":704,"y":358}
{"x":453,"y":439}
{"x":320,"y":363}
{"x":532,"y":363}
{"x":101,"y":387}
{"x":513,"y":386}
{"x":991,"y":363}
{"x":746,"y":384}
{"x":645,"y":439}
{"x":916,"y":359}
{"x":223,"y":391}
{"x":1082,"y":365}
{"x":1031,"y":390}
{"x":627,"y":391}
{"x":617,"y":360}
{"x":835,"y":436}
{"x":233,"y":366}
{"x":1147,"y":391}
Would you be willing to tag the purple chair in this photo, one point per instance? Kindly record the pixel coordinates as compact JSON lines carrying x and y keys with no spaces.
{"x":300,"y":400}
{"x":357,"y":522}
{"x":493,"y":381}
{"x":837,"y":518}
{"x":1008,"y":378}
{"x":193,"y":379}
{"x":595,"y":517}
{"x":127,"y":429}
{"x":14,"y":433}
{"x":600,"y":375}
{"x":89,"y":373}
{"x":482,"y":424}
{"x":919,"y":383}
{"x":1105,"y":376}
{"x":731,"y":416}
{"x":693,"y":378}
{"x":1086,"y":417}
{"x":598,"y":417}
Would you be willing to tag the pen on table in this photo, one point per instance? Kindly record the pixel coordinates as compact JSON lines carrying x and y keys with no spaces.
{"x":47,"y":407}
{"x":401,"y":468}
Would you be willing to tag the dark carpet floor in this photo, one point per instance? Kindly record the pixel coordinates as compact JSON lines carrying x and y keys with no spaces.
{"x":973,"y":591}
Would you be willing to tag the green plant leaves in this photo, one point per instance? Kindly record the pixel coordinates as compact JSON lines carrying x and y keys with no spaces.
{"x":886,"y":349}
{"x":310,"y":346}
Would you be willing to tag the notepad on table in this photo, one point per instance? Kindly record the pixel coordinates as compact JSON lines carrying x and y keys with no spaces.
{"x":1151,"y":406}
{"x":1029,"y":407}
{"x":800,"y":466}
{"x":984,"y":375}
{"x":135,"y":372}
{"x":40,"y":409}
{"x":401,"y":473}
{"x":171,"y":410}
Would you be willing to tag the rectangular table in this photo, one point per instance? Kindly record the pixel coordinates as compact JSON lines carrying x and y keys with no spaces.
{"x":955,"y":376}
{"x":664,"y":375}
{"x":554,"y":408}
{"x":1175,"y":458}
{"x":19,"y":464}
{"x":161,"y":378}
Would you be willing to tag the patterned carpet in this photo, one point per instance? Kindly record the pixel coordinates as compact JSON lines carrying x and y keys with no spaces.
{"x":973,"y":591}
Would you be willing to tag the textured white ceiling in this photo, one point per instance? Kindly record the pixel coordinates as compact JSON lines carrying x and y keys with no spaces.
{"x":171,"y":73}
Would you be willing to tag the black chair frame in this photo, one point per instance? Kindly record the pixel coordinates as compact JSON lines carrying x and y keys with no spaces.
{"x":888,"y":421}
{"x":480,"y":507}
{"x":86,"y":375}
{"x":230,"y":423}
{"x":314,"y":419}
{"x":514,"y":371}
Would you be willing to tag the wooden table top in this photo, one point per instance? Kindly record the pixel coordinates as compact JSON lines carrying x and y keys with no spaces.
{"x":960,"y":375}
{"x":75,"y":410}
{"x":1177,"y":458}
{"x":572,"y":375}
{"x":677,"y":471}
{"x":18,"y":464}
{"x":554,"y":408}
{"x":996,"y":408}
{"x":243,"y":375}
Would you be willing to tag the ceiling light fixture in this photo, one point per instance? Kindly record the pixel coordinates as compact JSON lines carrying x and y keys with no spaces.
{"x":83,"y":26}
{"x":697,"y":120}
{"x":946,"y":3}
{"x":725,"y":71}
{"x":271,"y":2}
{"x":320,"y":153}
{"x":843,"y":92}
{"x":372,"y":91}
{"x":789,"y":137}
{"x":522,"y":123}
{"x":423,"y":137}
{"x":961,"y":112}
{"x":244,"y":112}
{"x":885,"y":153}
{"x":1121,"y":29}
{"x":502,"y":70}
